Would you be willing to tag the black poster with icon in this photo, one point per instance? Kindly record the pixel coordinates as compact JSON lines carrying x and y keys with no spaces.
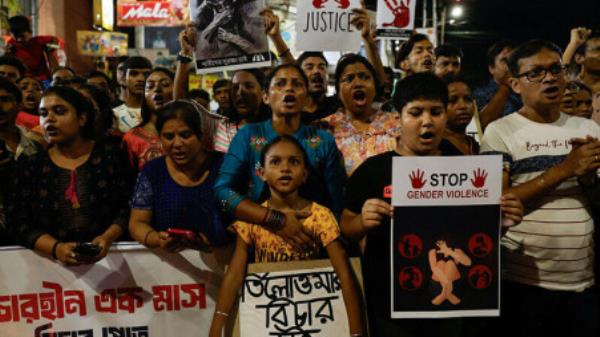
{"x":445,"y":237}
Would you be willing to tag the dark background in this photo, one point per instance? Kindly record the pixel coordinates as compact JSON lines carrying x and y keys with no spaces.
{"x":455,"y":225}
{"x":487,"y":21}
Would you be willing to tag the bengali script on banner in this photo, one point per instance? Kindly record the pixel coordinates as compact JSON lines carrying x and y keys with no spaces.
{"x":293,"y":299}
{"x":133,"y":292}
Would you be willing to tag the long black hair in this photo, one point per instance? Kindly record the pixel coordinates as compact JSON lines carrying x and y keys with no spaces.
{"x":82,"y":105}
{"x":146,"y":111}
{"x":262,"y":114}
{"x":199,"y":120}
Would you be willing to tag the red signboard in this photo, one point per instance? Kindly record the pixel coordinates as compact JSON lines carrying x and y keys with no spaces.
{"x":152,"y":13}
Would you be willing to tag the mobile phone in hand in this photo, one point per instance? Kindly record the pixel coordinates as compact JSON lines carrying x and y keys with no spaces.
{"x":185,"y":233}
{"x":87,"y":249}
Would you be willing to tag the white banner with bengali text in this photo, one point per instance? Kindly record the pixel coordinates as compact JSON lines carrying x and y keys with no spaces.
{"x":133,"y":292}
{"x":293,"y":299}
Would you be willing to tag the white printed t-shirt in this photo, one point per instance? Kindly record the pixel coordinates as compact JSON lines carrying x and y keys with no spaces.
{"x":553,"y":246}
{"x":127,"y":118}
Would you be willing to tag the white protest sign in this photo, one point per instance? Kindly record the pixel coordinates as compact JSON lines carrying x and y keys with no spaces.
{"x":445,"y":237}
{"x":294,"y":299}
{"x":133,"y":292}
{"x":324,"y":25}
{"x":395,"y":18}
{"x":473,"y":180}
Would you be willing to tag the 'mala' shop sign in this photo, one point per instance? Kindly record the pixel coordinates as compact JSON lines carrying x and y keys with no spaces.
{"x":152,"y":13}
{"x":324,"y":25}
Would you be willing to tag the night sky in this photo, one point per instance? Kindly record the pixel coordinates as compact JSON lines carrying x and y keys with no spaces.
{"x":487,"y":21}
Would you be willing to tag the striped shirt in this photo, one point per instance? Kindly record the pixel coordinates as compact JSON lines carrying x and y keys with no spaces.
{"x":224,"y":134}
{"x":553,"y":246}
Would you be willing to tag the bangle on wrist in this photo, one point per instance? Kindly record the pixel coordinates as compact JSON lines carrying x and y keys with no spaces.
{"x":54,"y":248}
{"x":222,"y":313}
{"x":275,"y":220}
{"x":264,"y":220}
{"x":146,"y":237}
{"x":183,"y":58}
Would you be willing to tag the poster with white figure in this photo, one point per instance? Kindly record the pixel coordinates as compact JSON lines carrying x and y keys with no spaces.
{"x":231,"y":35}
{"x":395,"y":18}
{"x":324,"y":25}
{"x":445,"y":237}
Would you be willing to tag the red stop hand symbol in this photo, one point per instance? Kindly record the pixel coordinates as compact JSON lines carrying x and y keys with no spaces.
{"x":343,"y":4}
{"x":479,"y":177}
{"x":401,"y":13}
{"x":416,"y":179}
{"x":319,"y":3}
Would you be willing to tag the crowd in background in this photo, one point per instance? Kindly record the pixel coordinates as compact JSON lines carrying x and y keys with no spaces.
{"x":285,"y":168}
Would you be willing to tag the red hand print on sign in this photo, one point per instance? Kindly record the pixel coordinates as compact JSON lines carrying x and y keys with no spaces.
{"x":343,"y":4}
{"x":401,"y":13}
{"x":319,"y":3}
{"x":416,"y":179}
{"x":479,"y":177}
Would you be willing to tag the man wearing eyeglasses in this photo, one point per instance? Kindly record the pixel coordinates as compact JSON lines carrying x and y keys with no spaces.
{"x":549,"y":158}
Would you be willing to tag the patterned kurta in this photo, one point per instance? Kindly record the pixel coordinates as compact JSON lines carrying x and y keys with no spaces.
{"x":356,"y":146}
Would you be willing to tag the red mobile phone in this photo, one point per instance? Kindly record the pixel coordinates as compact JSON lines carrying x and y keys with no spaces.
{"x":181,"y":232}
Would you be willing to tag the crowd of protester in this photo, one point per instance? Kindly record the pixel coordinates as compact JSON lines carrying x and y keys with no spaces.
{"x":297,"y":174}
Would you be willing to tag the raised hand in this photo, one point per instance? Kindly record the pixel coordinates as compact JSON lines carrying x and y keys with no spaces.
{"x":187,"y":39}
{"x":579,"y":35}
{"x":271,"y":22}
{"x":361,"y":21}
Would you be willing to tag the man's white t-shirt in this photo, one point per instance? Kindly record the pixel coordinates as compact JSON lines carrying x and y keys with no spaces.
{"x":553,"y":246}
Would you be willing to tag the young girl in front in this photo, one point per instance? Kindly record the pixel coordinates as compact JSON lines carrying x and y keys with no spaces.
{"x":284,"y":169}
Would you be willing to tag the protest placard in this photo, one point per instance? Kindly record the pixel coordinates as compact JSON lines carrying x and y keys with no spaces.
{"x":324,"y":25}
{"x":133,"y":292}
{"x":231,"y":35}
{"x":445,"y":236}
{"x":301,"y":298}
{"x":395,"y":18}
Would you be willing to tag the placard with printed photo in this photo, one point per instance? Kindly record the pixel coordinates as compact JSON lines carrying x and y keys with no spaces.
{"x":445,"y":236}
{"x":231,"y":35}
